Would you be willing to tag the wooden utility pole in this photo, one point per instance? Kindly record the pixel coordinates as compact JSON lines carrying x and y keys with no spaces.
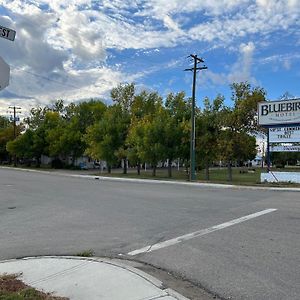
{"x":15,"y":109}
{"x":197,"y":60}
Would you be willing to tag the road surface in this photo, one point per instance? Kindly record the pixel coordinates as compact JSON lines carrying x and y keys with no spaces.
{"x":198,"y":233}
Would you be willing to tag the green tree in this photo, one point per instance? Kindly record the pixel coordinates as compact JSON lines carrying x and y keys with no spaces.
{"x":238,"y":122}
{"x":22,"y":146}
{"x":208,"y":129}
{"x":6,"y":135}
{"x":106,"y":137}
{"x":176,"y":139}
{"x":123,"y":95}
{"x":144,"y":107}
{"x":147,"y":136}
{"x":78,"y":119}
{"x":143,"y":104}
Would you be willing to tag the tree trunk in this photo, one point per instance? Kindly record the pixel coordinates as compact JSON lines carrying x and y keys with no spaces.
{"x":138,"y":168}
{"x":125,"y":166}
{"x":229,"y":168}
{"x":108,"y":169}
{"x":73,"y":160}
{"x":207,"y":170}
{"x":38,"y":162}
{"x":169,"y":168}
{"x":187,"y":172}
{"x":154,"y":171}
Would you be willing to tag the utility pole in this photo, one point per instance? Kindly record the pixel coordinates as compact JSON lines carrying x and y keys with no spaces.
{"x":15,"y":110}
{"x":197,"y":61}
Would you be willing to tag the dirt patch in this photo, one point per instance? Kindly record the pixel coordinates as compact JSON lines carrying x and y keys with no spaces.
{"x":12,"y":288}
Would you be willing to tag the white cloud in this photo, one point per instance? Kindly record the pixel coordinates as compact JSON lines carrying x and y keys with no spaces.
{"x":281,"y":60}
{"x":70,"y":40}
{"x":239,"y":71}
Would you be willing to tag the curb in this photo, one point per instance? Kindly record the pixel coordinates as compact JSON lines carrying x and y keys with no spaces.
{"x":151,"y":181}
{"x":154,"y":281}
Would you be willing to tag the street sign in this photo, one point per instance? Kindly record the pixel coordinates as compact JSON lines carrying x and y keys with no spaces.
{"x":4,"y":74}
{"x":279,"y":112}
{"x":285,"y":148}
{"x":289,"y":134}
{"x":7,"y":33}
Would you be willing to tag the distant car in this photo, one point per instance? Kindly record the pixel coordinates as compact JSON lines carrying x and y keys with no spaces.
{"x":83,"y":166}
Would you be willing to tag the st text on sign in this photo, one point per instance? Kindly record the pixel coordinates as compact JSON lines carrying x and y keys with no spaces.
{"x":7,"y":33}
{"x":279,"y":112}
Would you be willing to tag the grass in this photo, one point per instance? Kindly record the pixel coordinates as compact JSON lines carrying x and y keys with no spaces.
{"x":217,"y":175}
{"x":11,"y":288}
{"x":85,"y":253}
{"x":240,"y":176}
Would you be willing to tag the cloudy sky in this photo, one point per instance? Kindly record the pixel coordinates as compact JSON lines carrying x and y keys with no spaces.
{"x":78,"y":49}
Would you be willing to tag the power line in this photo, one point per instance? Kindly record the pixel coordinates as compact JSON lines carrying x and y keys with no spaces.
{"x":58,"y":82}
{"x":49,"y":79}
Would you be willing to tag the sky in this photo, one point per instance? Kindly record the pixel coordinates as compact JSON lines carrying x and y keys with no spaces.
{"x":80,"y":49}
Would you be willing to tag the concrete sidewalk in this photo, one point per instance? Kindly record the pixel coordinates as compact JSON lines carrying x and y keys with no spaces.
{"x":88,"y":278}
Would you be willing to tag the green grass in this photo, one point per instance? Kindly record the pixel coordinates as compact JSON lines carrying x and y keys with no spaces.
{"x":217,"y":175}
{"x":240,"y":176}
{"x":86,"y":253}
{"x":28,"y":294}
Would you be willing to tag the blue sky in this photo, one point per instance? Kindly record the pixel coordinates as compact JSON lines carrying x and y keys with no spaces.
{"x":78,"y":49}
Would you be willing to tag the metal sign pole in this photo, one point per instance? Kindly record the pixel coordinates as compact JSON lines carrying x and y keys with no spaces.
{"x":268,"y":151}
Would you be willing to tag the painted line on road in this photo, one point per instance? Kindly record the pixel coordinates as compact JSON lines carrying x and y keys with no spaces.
{"x":195,"y":234}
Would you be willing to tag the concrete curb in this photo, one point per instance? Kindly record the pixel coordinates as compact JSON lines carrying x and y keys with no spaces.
{"x":151,"y":181}
{"x":116,"y":263}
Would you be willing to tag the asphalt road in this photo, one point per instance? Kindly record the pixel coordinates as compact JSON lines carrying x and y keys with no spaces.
{"x":259,"y":258}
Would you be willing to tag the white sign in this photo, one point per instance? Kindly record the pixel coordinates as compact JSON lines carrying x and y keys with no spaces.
{"x":279,"y":112}
{"x":7,"y":33}
{"x":4,"y":74}
{"x":290,"y":134}
{"x":284,"y":148}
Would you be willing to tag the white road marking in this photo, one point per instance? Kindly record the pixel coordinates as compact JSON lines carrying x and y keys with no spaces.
{"x":202,"y":232}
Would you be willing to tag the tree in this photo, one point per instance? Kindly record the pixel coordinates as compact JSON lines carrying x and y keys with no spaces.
{"x":123,"y":95}
{"x":36,"y":117}
{"x":208,"y":129}
{"x":59,"y":129}
{"x":23,"y":146}
{"x":144,"y":104}
{"x":78,"y":119}
{"x":236,"y":146}
{"x":245,"y":100}
{"x":6,"y":135}
{"x":239,"y":122}
{"x":176,"y":139}
{"x":106,"y":137}
{"x":147,"y":136}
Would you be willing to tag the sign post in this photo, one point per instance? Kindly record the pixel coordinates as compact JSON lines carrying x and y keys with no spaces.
{"x":282,"y":119}
{"x":4,"y":74}
{"x":8,"y":34}
{"x":279,"y":113}
{"x":289,"y":134}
